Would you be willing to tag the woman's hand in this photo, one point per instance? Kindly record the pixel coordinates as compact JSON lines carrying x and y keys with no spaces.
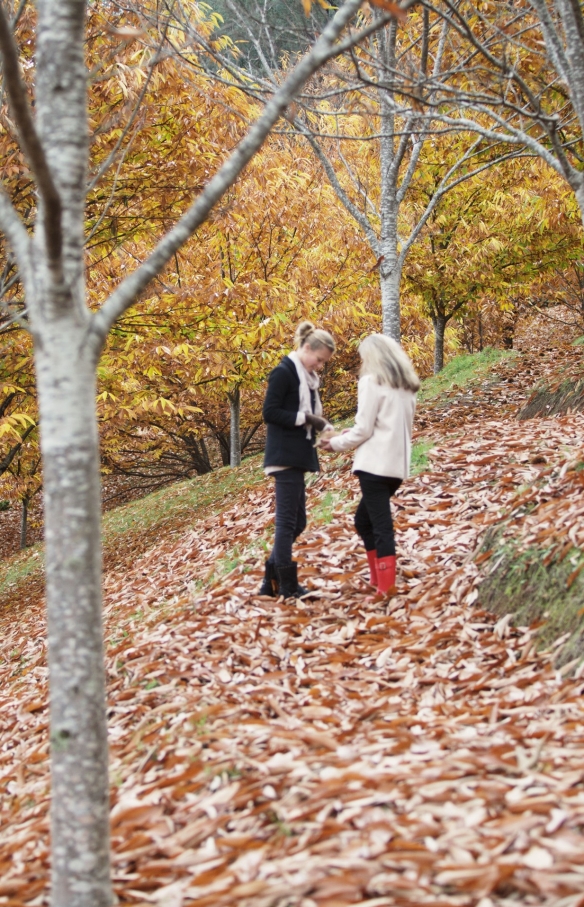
{"x":324,"y":442}
{"x":317,"y":422}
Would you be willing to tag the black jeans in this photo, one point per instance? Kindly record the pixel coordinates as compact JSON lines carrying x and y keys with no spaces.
{"x":373,"y":517}
{"x":290,"y":514}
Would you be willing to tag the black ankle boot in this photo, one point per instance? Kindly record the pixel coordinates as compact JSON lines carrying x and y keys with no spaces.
{"x":269,"y":585}
{"x":288,"y":583}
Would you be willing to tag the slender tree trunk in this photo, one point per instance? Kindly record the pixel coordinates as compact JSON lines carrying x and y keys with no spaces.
{"x":23,"y":523}
{"x":579,"y":193}
{"x":205,"y":453}
{"x":390,"y":267}
{"x":235,"y":433}
{"x":390,"y":282}
{"x":439,"y":322}
{"x":65,"y":361}
{"x":78,"y":732}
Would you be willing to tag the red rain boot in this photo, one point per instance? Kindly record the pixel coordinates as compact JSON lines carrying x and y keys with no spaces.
{"x":371,"y":559}
{"x":385,"y":574}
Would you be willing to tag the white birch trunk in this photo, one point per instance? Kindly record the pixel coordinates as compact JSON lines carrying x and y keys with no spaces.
{"x":390,"y":282}
{"x":65,"y":361}
{"x":390,"y":268}
{"x":78,"y":732}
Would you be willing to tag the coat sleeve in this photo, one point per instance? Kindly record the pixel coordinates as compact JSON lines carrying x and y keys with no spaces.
{"x":367,"y":409}
{"x":278,"y":388}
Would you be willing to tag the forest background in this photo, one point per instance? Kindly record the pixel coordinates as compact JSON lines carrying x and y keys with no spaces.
{"x":486,"y":236}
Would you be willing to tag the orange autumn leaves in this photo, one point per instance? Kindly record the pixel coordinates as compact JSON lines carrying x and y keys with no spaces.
{"x":334,"y":752}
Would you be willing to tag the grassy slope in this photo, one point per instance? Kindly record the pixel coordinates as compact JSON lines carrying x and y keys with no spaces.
{"x":133,"y":528}
{"x":562,"y":390}
{"x":543,"y":583}
{"x":537,"y":587}
{"x":464,"y":371}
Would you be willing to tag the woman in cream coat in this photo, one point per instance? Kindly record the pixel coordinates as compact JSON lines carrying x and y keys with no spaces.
{"x":382,"y":435}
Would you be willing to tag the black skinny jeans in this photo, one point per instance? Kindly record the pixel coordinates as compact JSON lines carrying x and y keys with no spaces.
{"x":290,"y":514}
{"x":373,"y":517}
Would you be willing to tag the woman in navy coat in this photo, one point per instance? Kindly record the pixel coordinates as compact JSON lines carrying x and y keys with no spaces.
{"x":293,"y":414}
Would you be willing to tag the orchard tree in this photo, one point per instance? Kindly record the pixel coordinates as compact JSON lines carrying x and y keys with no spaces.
{"x":517,"y":79}
{"x":368,"y":117}
{"x":68,"y":338}
{"x":497,"y":240}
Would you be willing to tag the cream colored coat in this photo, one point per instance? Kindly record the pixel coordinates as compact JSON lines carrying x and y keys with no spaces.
{"x":382,"y":432}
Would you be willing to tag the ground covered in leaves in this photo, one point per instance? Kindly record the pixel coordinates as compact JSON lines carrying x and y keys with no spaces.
{"x":335,"y":751}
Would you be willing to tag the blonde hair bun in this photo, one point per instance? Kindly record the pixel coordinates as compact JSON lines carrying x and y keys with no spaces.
{"x":303,"y":332}
{"x":314,"y":337}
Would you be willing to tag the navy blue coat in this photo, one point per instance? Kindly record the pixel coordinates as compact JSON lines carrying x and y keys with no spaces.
{"x":286,"y":442}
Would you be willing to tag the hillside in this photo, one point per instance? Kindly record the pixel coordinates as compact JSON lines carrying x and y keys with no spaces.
{"x":335,"y":752}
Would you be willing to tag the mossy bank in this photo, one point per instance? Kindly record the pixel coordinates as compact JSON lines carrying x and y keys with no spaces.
{"x":537,"y":586}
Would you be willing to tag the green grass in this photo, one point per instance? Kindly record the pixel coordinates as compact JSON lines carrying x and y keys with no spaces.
{"x":523,"y":584}
{"x":330,"y":502}
{"x":420,"y":451}
{"x":194,"y":498}
{"x":16,"y":569}
{"x":463,"y":371}
{"x":579,"y":341}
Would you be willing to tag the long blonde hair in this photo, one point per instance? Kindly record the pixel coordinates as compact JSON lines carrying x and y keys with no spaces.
{"x":384,"y":359}
{"x":314,"y":337}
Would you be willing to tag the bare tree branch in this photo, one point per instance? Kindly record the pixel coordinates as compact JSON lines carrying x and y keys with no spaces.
{"x":32,"y":147}
{"x":353,"y":210}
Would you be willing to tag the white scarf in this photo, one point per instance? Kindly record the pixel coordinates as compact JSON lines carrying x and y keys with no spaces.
{"x":309,"y":381}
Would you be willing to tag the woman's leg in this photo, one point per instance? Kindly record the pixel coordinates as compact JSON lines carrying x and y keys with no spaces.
{"x":377,"y":491}
{"x":290,"y":522}
{"x":290,"y":514}
{"x":301,"y":513}
{"x":364,"y":526}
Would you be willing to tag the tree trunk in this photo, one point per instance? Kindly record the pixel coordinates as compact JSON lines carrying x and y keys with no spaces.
{"x":439,"y":322}
{"x":235,"y":433}
{"x":579,"y":193}
{"x":390,"y":267}
{"x":23,"y":523}
{"x":78,"y":732}
{"x":390,"y":283}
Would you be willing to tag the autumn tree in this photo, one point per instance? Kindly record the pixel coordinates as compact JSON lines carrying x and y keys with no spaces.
{"x":68,"y":338}
{"x":495,"y":240}
{"x":367,"y":126}
{"x":518,"y":79}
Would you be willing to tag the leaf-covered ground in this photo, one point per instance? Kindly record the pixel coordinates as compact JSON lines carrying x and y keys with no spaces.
{"x":338,"y":751}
